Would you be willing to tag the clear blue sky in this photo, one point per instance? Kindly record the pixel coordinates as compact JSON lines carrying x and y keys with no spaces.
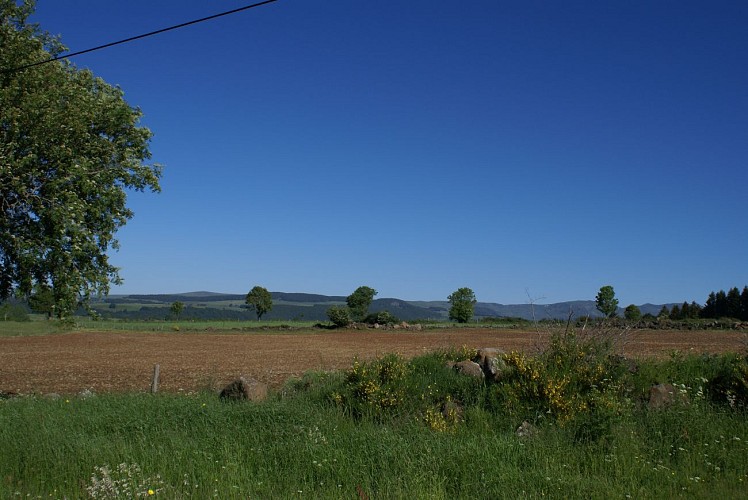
{"x":517,"y":148}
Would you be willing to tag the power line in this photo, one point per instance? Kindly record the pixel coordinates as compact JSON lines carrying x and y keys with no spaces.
{"x":133,"y":38}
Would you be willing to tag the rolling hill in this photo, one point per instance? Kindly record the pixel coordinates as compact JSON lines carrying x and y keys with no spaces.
{"x":313,"y":307}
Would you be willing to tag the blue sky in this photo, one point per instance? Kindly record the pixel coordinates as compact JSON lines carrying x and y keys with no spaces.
{"x":527,"y":150}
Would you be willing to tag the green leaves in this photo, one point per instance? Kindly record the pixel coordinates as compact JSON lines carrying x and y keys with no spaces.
{"x":260,"y":300}
{"x":70,"y":147}
{"x":359,"y":302}
{"x":463,"y":305}
{"x":606,"y":301}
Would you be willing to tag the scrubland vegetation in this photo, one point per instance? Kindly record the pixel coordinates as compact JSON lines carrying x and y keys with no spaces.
{"x":394,"y":427}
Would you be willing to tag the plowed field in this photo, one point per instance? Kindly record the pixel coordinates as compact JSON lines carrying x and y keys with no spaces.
{"x":108,"y":362}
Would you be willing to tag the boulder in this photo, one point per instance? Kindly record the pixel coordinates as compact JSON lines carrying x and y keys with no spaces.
{"x":526,"y":430}
{"x":663,"y":395}
{"x":469,"y":368}
{"x":242,"y":389}
{"x":491,"y":362}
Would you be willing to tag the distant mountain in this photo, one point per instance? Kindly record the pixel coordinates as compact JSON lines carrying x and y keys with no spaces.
{"x":313,"y":307}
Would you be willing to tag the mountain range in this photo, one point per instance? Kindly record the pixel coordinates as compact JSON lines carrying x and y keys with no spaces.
{"x":313,"y":307}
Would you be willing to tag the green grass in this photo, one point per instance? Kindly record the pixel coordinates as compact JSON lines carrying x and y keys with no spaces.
{"x":39,"y":326}
{"x":376,"y":431}
{"x":197,"y":446}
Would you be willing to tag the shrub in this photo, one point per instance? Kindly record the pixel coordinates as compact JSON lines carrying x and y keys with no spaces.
{"x":381,"y":318}
{"x":13,"y":312}
{"x":729,"y":382}
{"x":373,"y":389}
{"x":574,"y":383}
{"x":340,"y":316}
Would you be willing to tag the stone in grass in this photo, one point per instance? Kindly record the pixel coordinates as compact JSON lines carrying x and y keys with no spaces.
{"x":242,"y":389}
{"x":526,"y":430}
{"x":490,"y":359}
{"x":664,"y":395}
{"x":469,"y":368}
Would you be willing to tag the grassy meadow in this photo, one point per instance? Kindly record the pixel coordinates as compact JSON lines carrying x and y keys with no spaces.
{"x":395,"y":428}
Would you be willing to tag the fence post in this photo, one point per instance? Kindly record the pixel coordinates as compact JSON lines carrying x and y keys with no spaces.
{"x":154,"y":383}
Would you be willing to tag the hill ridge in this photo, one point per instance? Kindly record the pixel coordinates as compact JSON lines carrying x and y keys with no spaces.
{"x":313,"y":307}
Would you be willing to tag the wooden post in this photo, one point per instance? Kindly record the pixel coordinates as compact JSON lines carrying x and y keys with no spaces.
{"x":154,"y":383}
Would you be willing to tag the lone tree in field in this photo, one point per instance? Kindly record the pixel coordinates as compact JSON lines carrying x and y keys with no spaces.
{"x":359,"y":302}
{"x":260,"y":300}
{"x":177,"y":308}
{"x":70,"y":148}
{"x":632,"y":313}
{"x":463,"y":305}
{"x":606,"y":301}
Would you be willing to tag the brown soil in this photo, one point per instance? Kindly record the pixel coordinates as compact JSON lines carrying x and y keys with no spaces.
{"x":102,"y":362}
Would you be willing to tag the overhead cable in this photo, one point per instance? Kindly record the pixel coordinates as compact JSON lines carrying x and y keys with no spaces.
{"x":133,"y":38}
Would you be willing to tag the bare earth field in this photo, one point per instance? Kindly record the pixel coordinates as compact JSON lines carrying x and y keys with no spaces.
{"x":108,"y":362}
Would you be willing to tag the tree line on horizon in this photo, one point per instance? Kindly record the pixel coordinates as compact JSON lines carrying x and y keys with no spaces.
{"x":731,"y":304}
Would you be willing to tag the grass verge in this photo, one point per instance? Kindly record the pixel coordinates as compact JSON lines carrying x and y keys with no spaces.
{"x":395,"y":428}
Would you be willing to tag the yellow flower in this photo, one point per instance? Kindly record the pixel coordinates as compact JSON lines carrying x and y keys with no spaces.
{"x":151,"y":492}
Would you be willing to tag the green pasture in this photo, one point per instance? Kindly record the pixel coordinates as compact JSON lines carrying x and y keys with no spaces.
{"x":40,"y":326}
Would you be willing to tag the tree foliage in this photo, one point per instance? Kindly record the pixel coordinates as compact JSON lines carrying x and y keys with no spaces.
{"x":463,"y":305}
{"x":359,"y":302}
{"x":177,"y":308}
{"x":632,"y":312}
{"x":260,"y":300}
{"x":606,"y":301}
{"x":733,"y":304}
{"x":339,"y":315}
{"x":70,"y":148}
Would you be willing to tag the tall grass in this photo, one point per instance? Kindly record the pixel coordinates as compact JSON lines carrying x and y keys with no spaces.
{"x":381,"y":430}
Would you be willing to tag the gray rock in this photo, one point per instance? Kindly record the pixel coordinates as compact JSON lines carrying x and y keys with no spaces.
{"x":242,"y":389}
{"x":469,"y":368}
{"x":664,"y":395}
{"x":491,"y":361}
{"x":526,"y":430}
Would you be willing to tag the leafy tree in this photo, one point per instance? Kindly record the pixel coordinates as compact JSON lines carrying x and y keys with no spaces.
{"x":463,"y":305}
{"x":359,"y":302}
{"x":177,"y":308}
{"x":70,"y":148}
{"x":381,"y":318}
{"x":632,"y":313}
{"x":744,"y":304}
{"x":260,"y":300}
{"x":606,"y":301}
{"x":13,"y":312}
{"x":339,"y":315}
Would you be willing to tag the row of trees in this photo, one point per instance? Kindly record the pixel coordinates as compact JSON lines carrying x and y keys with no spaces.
{"x":731,"y":304}
{"x":357,"y":307}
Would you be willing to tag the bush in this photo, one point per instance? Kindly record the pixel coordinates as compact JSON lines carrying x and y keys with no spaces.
{"x":373,"y":389}
{"x":340,"y":316}
{"x":381,"y":318}
{"x":729,"y":382}
{"x":13,"y":312}
{"x":576,"y":383}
